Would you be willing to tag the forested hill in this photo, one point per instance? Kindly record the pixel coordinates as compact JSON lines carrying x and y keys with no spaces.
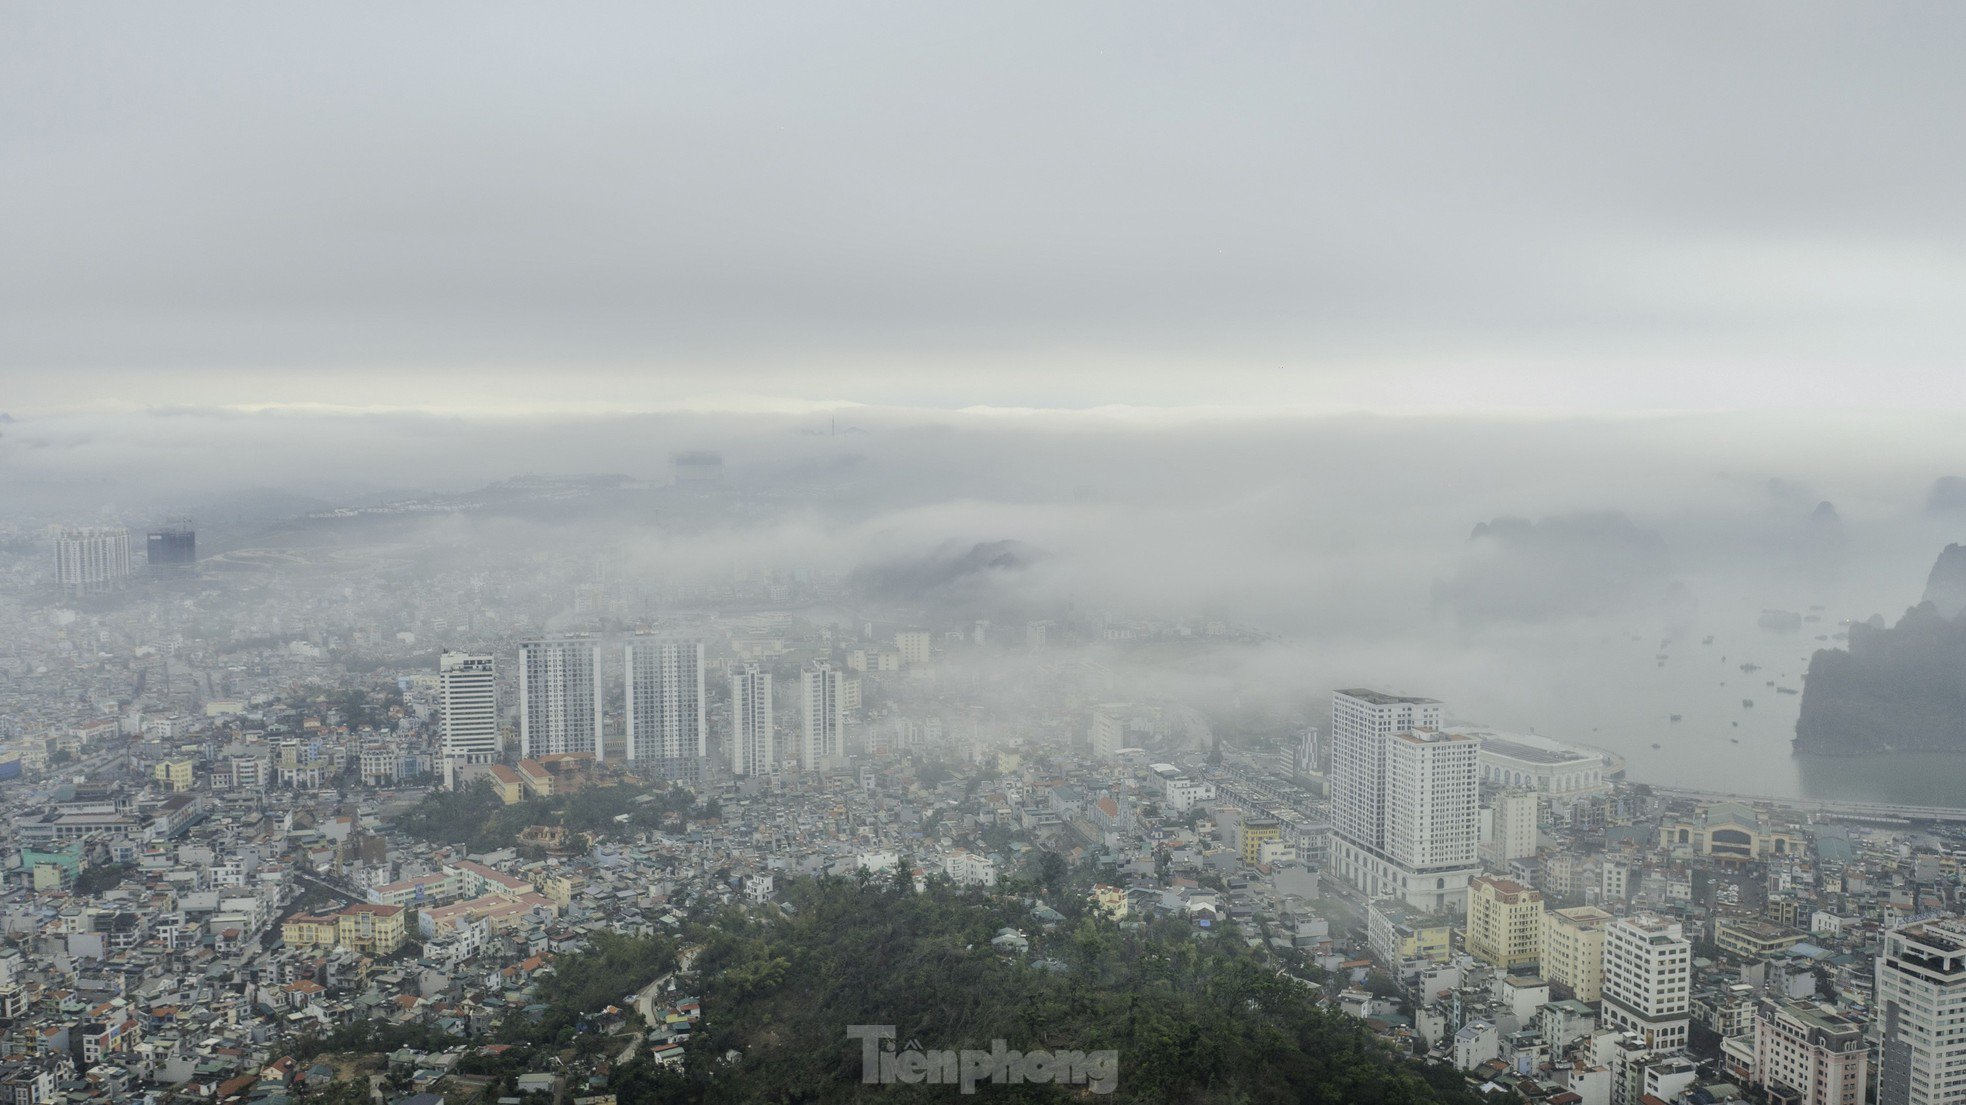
{"x":1194,"y":1018}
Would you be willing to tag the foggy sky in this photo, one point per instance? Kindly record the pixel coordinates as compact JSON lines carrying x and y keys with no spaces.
{"x":502,"y":208}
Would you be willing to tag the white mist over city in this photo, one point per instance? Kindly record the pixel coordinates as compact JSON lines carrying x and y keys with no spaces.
{"x":624,"y":554}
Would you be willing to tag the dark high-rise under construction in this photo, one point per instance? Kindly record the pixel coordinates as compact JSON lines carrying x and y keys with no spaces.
{"x":173,"y":546}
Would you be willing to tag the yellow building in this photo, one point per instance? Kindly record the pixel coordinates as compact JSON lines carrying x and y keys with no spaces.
{"x":174,"y":774}
{"x":367,"y":927}
{"x":1573,"y":950}
{"x":1255,"y":831}
{"x":560,"y":888}
{"x":1504,"y":922}
{"x":1109,"y":900}
{"x":538,"y":781}
{"x":308,"y":930}
{"x":1396,"y":933}
{"x":506,"y":782}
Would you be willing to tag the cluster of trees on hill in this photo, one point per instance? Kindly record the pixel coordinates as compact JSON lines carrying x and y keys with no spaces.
{"x":1193,"y":1015}
{"x":581,"y":985}
{"x":477,"y":818}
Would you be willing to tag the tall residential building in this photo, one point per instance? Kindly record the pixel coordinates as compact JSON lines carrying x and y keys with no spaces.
{"x":913,"y":645}
{"x":1806,"y":1055}
{"x":1505,"y":921}
{"x":468,"y":691}
{"x":1919,"y":1007}
{"x":1404,"y":800}
{"x":753,"y":741}
{"x":1513,"y":835}
{"x":173,"y":546}
{"x":1648,"y":973}
{"x":1433,"y":821}
{"x":822,"y":710}
{"x":1304,"y":760}
{"x":1361,"y":723}
{"x":668,"y":729}
{"x":1573,"y":950}
{"x":559,"y":697}
{"x":1108,"y":729}
{"x":92,"y":561}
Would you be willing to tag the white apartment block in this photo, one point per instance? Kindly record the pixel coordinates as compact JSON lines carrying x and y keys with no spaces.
{"x":822,"y":716}
{"x":92,"y":561}
{"x":1432,"y":819}
{"x":1920,"y":1010}
{"x":913,"y":646}
{"x":1648,"y":973}
{"x":1184,"y":794}
{"x":468,"y":695}
{"x":753,"y":740}
{"x":1404,"y":803}
{"x":1361,"y":723}
{"x":560,"y":706}
{"x":668,"y":728}
{"x":1513,"y":820}
{"x":1108,"y":731}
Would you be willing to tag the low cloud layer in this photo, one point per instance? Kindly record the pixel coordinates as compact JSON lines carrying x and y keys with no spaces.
{"x":510,"y":209}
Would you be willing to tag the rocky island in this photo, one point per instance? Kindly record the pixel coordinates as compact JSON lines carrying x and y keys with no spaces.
{"x":1900,"y":688}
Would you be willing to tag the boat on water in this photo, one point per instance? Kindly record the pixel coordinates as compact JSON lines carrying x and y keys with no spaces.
{"x":1675,"y":717}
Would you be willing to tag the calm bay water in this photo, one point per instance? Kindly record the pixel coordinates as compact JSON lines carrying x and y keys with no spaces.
{"x":1613,"y":692}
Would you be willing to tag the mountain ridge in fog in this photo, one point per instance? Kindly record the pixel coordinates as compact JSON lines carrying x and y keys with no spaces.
{"x":1895,"y":689}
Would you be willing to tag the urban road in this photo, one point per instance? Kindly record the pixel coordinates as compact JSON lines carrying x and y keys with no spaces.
{"x":1861,"y":811}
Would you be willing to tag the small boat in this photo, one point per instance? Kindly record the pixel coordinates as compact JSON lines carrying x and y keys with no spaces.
{"x":1735,"y":740}
{"x":1675,"y":717}
{"x":1707,"y":640}
{"x":1655,"y":746}
{"x":1747,"y":704}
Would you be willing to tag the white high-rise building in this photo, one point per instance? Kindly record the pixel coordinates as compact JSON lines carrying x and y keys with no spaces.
{"x":1432,"y":816}
{"x":559,"y":697}
{"x":467,"y":686}
{"x":92,"y":561}
{"x":822,"y":699}
{"x":1361,"y":723}
{"x":753,"y":741}
{"x":668,"y":729}
{"x":1404,"y":805}
{"x":913,"y":645}
{"x":1648,"y":979}
{"x":1108,"y":729}
{"x":1513,"y":834}
{"x":1920,"y":1007}
{"x":1304,"y":761}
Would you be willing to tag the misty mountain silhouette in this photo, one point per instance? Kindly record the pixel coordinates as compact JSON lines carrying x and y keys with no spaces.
{"x":1513,"y":569}
{"x":1896,"y":689}
{"x":950,"y":573}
